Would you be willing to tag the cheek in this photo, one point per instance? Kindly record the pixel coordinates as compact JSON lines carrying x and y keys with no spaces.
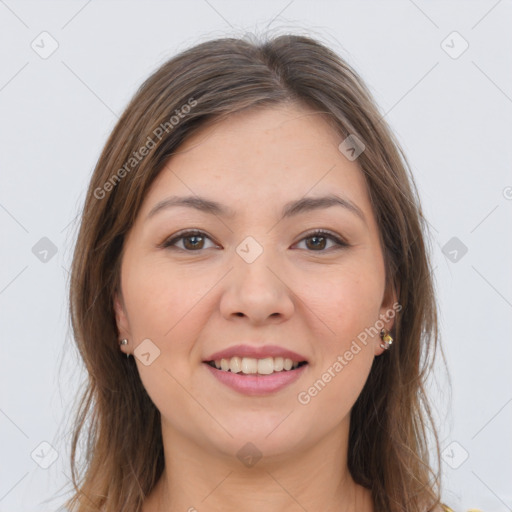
{"x":347,"y":300}
{"x":160,"y":300}
{"x":169,"y":310}
{"x":339,"y":390}
{"x":338,"y":378}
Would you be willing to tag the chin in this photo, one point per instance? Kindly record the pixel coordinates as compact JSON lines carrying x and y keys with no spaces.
{"x":261,"y":441}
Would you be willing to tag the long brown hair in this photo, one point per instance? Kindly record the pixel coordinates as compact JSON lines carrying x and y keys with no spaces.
{"x":391,"y":420}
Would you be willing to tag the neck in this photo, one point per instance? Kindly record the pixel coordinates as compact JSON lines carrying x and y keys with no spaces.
{"x":198,"y":480}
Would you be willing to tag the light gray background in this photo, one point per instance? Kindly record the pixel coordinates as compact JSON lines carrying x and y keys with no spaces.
{"x":452,"y":116}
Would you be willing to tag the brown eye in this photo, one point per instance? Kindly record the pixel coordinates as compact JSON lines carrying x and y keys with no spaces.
{"x":322,"y":241}
{"x":193,"y":242}
{"x":316,"y":242}
{"x":189,"y":241}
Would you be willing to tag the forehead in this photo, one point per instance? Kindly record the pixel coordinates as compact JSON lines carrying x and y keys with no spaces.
{"x":285,"y":132}
{"x":271,"y":154}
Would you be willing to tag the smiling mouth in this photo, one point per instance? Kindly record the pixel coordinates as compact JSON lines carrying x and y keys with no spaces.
{"x":252,"y":366}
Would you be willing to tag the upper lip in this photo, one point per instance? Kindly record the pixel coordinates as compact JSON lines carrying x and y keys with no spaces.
{"x":260,"y":352}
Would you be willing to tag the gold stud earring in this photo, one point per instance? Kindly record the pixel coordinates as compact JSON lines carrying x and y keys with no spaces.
{"x":386,"y":338}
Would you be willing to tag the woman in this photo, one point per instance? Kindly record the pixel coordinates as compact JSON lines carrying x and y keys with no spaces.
{"x":252,"y":241}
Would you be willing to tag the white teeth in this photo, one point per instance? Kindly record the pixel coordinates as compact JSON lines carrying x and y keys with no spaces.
{"x":250,"y":365}
{"x":235,"y":364}
{"x":266,"y":366}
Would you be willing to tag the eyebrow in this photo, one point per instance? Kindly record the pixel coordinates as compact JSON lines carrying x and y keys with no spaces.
{"x":303,"y":205}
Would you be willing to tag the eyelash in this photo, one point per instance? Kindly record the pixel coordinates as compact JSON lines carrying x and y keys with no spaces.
{"x":170,"y":242}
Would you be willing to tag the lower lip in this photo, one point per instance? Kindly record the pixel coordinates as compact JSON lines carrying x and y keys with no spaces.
{"x":256,"y":385}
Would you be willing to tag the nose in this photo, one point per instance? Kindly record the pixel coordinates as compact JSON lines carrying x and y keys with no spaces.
{"x":257,"y":293}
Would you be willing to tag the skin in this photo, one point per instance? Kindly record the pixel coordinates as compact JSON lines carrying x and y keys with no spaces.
{"x":308,"y":297}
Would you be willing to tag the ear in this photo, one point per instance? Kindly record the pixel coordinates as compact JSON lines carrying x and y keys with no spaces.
{"x":389,"y":309}
{"x":123,"y":326}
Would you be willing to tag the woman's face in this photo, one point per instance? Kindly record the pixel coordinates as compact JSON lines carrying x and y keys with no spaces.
{"x":224,"y":256}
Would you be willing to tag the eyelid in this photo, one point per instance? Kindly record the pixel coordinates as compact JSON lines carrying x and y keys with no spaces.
{"x":340,"y":241}
{"x":325,"y":233}
{"x":170,"y":242}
